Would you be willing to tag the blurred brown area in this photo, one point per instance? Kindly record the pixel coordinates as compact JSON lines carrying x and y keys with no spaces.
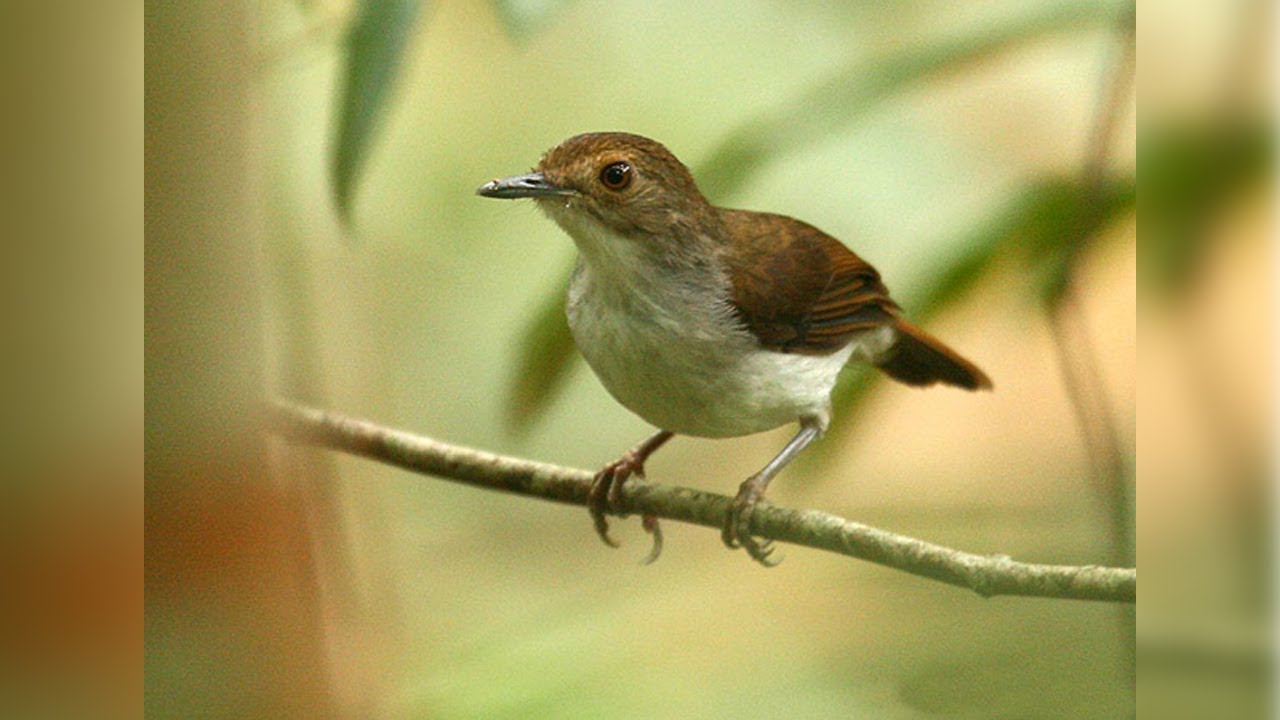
{"x":70,"y":620}
{"x":233,"y":623}
{"x":70,"y":360}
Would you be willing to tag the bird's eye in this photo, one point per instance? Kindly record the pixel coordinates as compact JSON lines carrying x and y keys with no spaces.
{"x":616,"y":176}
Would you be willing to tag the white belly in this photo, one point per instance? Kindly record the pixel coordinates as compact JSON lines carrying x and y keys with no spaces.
{"x":689,"y":368}
{"x":665,"y":342}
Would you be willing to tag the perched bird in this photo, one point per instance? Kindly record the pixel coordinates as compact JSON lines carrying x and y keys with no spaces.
{"x":713,"y":322}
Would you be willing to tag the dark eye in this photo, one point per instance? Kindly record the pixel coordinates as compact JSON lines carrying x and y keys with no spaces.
{"x":616,"y":176}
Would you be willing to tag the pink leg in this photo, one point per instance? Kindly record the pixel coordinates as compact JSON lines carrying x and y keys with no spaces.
{"x":606,"y":490}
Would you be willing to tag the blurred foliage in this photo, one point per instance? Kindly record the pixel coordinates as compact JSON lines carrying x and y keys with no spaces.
{"x":1189,"y":171}
{"x":859,"y":88}
{"x":375,"y":48}
{"x":850,"y":94}
{"x":523,"y":18}
{"x":1058,"y":220}
{"x":546,"y":355}
{"x":1044,"y":227}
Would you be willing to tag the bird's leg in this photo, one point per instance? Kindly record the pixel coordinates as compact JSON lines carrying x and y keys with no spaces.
{"x":737,"y":522}
{"x":606,"y":491}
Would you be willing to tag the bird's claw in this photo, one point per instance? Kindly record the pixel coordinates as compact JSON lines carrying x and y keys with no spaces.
{"x":601,"y":524}
{"x":651,"y":526}
{"x":605,"y":497}
{"x":760,"y":552}
{"x":736,"y":532}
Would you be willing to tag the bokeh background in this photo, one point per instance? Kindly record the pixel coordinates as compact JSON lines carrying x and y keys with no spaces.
{"x":313,"y":234}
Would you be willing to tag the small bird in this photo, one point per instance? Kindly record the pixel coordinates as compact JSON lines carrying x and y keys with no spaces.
{"x":712,"y":322}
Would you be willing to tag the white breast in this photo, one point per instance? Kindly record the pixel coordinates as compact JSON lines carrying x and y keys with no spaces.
{"x":666,"y":344}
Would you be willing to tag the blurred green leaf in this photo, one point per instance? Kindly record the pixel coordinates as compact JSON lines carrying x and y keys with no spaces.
{"x":1188,"y":172}
{"x":1069,"y":218}
{"x":954,"y":280}
{"x":376,"y":45}
{"x":523,"y":18}
{"x":1057,"y":219}
{"x":546,"y":355}
{"x":857,"y":89}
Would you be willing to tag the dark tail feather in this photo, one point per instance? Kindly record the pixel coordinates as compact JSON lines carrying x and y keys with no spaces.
{"x":921,"y":359}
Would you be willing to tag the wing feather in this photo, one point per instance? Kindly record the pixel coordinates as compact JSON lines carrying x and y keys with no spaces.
{"x":798,"y":289}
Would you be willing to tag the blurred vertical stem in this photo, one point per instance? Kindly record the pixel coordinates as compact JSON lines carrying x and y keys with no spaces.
{"x":1079,"y":365}
{"x":1111,"y":467}
{"x":218,"y":526}
{"x":377,"y":36}
{"x":314,"y":479}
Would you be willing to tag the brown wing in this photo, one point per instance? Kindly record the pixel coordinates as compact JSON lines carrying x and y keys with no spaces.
{"x":798,"y":289}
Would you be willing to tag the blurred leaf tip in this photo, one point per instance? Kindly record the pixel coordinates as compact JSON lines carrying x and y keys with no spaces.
{"x":545,"y":357}
{"x":376,"y":45}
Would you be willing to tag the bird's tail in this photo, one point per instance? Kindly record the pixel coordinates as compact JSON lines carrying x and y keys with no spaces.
{"x":918,"y":358}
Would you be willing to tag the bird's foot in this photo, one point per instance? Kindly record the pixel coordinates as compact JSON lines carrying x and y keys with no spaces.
{"x":605,"y":497}
{"x":736,"y":532}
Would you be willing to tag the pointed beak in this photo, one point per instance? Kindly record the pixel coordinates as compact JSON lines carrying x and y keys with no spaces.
{"x":532,"y":185}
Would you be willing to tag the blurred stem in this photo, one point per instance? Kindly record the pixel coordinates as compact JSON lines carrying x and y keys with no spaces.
{"x":1116,"y":93}
{"x":313,"y":481}
{"x":230,"y":629}
{"x":985,"y":575}
{"x":1112,"y":470}
{"x":1078,"y":359}
{"x":1092,"y":409}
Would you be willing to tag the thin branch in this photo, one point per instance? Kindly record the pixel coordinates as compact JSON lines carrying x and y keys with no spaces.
{"x":985,"y":575}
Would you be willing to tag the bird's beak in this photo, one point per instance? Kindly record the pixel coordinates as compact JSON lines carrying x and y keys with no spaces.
{"x":533,"y":185}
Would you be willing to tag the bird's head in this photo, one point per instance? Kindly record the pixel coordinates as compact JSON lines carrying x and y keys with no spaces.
{"x":612,"y":183}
